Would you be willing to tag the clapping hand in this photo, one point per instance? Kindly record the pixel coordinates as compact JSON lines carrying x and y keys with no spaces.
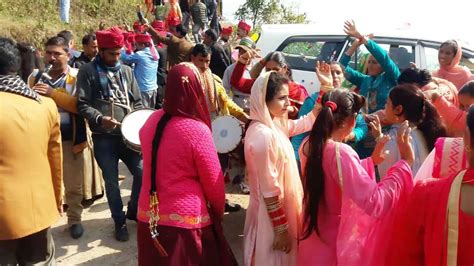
{"x":351,"y":29}
{"x":323,"y":72}
{"x":404,"y":143}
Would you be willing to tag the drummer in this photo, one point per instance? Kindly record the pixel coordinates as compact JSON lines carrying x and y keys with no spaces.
{"x":218,"y":101}
{"x":107,"y":92}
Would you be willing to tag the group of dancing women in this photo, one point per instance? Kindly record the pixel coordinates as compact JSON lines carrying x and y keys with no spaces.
{"x":333,"y":199}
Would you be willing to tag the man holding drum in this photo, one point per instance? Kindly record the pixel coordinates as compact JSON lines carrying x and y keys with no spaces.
{"x":219,"y":103}
{"x":107,"y":92}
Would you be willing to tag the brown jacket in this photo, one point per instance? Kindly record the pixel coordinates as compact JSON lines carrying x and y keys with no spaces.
{"x":30,"y":165}
{"x":178,"y":49}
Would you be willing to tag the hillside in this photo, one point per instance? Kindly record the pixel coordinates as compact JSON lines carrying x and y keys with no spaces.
{"x":33,"y":21}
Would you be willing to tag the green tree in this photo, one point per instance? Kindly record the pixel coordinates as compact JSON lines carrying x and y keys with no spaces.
{"x":269,"y":12}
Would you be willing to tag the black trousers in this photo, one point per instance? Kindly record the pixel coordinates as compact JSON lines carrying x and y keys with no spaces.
{"x":37,"y":248}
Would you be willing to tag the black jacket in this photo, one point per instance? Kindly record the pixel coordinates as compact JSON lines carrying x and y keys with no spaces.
{"x":219,"y":60}
{"x":90,"y":103}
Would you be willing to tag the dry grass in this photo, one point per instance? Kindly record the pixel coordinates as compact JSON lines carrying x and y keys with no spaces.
{"x":33,"y":21}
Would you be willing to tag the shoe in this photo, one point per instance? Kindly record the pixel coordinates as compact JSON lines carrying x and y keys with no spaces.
{"x":76,"y":231}
{"x":237,"y":179}
{"x":132,"y":217}
{"x":87,"y":203}
{"x":232,"y":207}
{"x":244,"y":188}
{"x":121,"y":232}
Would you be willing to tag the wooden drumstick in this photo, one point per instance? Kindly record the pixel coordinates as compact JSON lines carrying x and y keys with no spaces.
{"x":112,"y":108}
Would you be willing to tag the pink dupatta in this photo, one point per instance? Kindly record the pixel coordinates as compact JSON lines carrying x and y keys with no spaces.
{"x":447,"y":159}
{"x":455,"y":73}
{"x":360,"y":234}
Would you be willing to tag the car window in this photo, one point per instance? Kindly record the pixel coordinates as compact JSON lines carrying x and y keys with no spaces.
{"x":302,"y":54}
{"x":431,"y":55}
{"x":402,"y":55}
{"x":432,"y":63}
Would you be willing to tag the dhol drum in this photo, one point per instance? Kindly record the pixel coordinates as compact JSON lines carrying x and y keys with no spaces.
{"x":227,"y":132}
{"x":131,"y":125}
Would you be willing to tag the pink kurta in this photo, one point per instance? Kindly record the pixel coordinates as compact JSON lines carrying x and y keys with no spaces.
{"x":374,"y":200}
{"x":188,"y":173}
{"x":272,"y":171}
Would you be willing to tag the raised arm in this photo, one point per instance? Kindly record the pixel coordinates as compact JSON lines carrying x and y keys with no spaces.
{"x":238,"y":81}
{"x":452,"y":116}
{"x":257,"y":69}
{"x":382,"y":57}
{"x":375,"y":199}
{"x":157,"y":38}
{"x":390,"y":68}
{"x":304,"y":123}
{"x":354,"y":76}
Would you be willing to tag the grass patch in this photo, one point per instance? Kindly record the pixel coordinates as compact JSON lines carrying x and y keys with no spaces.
{"x":34,"y":21}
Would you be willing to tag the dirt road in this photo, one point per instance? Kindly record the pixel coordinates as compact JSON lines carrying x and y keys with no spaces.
{"x":98,"y":246}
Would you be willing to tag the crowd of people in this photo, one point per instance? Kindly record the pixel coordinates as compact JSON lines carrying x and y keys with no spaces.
{"x":376,"y":175}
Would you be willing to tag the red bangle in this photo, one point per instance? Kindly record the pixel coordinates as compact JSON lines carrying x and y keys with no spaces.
{"x":276,"y":213}
{"x":279,"y":222}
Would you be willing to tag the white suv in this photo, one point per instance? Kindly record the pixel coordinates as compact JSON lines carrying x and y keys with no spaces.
{"x":303,"y":44}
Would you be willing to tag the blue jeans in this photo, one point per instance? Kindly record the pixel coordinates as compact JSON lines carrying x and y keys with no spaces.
{"x":64,"y":6}
{"x":108,"y":149}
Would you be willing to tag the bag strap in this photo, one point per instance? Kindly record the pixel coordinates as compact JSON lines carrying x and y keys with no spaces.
{"x":453,"y":220}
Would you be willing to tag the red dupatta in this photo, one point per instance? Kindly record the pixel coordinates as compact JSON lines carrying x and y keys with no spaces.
{"x":421,"y":235}
{"x":184,"y":94}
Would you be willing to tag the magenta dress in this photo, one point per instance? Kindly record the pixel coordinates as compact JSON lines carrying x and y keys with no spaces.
{"x":353,"y":205}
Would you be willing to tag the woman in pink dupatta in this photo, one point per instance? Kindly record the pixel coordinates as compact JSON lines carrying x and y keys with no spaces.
{"x":437,"y":226}
{"x":347,"y":214}
{"x":449,"y":57}
{"x":453,"y":115}
{"x":272,"y":222}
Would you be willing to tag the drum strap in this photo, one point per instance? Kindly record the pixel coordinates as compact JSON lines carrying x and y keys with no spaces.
{"x":154,"y":208}
{"x":216,"y":96}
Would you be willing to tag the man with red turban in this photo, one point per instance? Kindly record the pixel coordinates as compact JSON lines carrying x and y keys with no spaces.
{"x":224,"y":40}
{"x":107,"y":92}
{"x":243,"y":29}
{"x":145,"y":59}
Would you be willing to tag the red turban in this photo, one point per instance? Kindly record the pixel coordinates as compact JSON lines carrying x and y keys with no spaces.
{"x":138,"y":27}
{"x":244,"y":26}
{"x":227,"y":31}
{"x":142,"y":38}
{"x":109,"y":39}
{"x":174,"y":21}
{"x":158,"y":25}
{"x":129,"y":40}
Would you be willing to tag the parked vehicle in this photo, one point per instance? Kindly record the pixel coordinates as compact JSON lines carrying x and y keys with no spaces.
{"x":303,"y":44}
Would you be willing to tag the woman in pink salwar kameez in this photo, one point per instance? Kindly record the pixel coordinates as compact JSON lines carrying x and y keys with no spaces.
{"x":449,"y":57}
{"x":273,"y":217}
{"x":347,"y":214}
